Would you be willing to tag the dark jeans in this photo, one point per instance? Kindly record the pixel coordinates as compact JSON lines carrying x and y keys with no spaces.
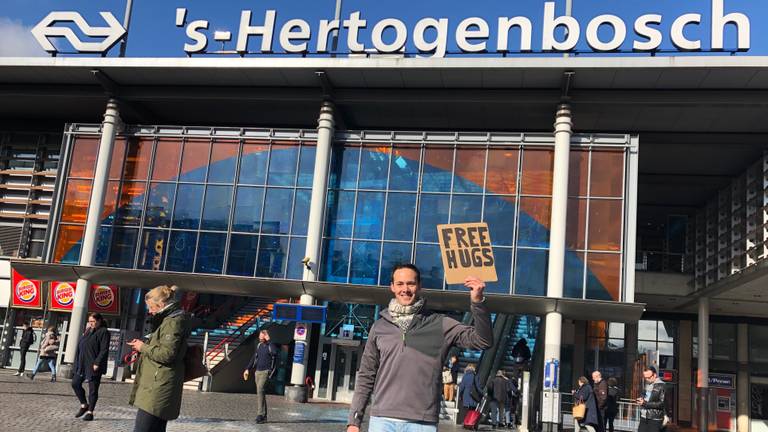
{"x":609,"y":422}
{"x":647,"y":425}
{"x":93,"y":390}
{"x":146,"y":422}
{"x":23,"y":360}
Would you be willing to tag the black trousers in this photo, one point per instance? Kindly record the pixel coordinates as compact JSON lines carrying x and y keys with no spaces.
{"x":146,"y":422}
{"x":647,"y":425}
{"x":93,"y":390}
{"x":609,"y":422}
{"x":23,"y":363}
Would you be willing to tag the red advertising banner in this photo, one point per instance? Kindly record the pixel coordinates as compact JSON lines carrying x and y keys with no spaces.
{"x":62,"y":296}
{"x":25,"y":293}
{"x":104,"y":299}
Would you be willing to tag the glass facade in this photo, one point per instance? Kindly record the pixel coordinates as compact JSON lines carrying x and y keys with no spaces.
{"x":236,"y":201}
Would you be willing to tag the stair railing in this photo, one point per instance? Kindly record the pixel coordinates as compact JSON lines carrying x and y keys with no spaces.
{"x":223,"y":346}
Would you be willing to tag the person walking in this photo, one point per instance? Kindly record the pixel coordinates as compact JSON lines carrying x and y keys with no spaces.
{"x":453,"y":366}
{"x":90,"y":364}
{"x":513,"y":400}
{"x":263,"y":364}
{"x":652,"y":404}
{"x":584,"y":394}
{"x":612,"y":405}
{"x":26,"y":341}
{"x":159,"y":380}
{"x":469,"y":391}
{"x":47,"y":353}
{"x":500,"y":391}
{"x":401,"y":366}
{"x":600,"y":387}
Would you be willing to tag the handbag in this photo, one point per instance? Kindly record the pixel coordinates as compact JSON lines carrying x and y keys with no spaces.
{"x":447,"y":377}
{"x":579,"y":410}
{"x":193,"y":363}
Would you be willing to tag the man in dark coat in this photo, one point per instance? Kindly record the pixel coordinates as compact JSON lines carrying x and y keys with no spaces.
{"x":27,"y":339}
{"x":263,"y":365}
{"x":500,"y":391}
{"x":90,"y":364}
{"x":601,"y":398}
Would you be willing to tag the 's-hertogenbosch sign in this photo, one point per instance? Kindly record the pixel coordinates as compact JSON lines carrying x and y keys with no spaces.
{"x":429,"y":36}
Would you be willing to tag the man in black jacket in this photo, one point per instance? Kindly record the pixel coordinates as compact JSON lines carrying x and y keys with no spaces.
{"x":27,"y":339}
{"x":263,"y":364}
{"x":652,"y":403}
{"x":600,"y":387}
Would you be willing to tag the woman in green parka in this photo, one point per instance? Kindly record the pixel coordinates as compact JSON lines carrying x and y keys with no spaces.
{"x":159,"y":378}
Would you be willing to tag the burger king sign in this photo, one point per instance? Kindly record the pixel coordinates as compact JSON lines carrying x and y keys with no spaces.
{"x":62,"y":296}
{"x":104,"y":299}
{"x":26,"y":292}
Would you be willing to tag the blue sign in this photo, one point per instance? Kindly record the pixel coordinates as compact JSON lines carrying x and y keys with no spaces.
{"x":551,"y":372}
{"x":298,"y":312}
{"x":722,"y":381}
{"x":298,"y":352}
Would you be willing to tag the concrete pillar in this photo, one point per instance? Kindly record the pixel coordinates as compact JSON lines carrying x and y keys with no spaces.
{"x":742,"y":378}
{"x":702,"y":381}
{"x":554,"y":320}
{"x":684,"y":376}
{"x":109,"y":129}
{"x":297,"y":391}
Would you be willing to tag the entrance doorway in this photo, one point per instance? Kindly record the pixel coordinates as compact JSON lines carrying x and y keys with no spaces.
{"x":758,"y":401}
{"x":337,"y":369}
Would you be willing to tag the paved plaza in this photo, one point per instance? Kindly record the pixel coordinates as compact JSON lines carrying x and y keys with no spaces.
{"x":44,"y":406}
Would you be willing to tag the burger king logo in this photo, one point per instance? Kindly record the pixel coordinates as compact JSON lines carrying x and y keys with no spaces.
{"x":64,"y":294}
{"x":103,"y":296}
{"x":26,"y":291}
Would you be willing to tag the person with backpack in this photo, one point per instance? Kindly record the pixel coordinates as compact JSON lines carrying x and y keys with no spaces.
{"x":612,"y":406}
{"x":26,"y":341}
{"x":263,"y":365}
{"x":47,"y":353}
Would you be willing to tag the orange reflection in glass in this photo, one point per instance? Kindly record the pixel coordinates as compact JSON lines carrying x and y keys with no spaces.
{"x":410,"y":153}
{"x":110,"y":199}
{"x":607,"y":269}
{"x":167,"y":158}
{"x":538,"y":165}
{"x":224,"y":149}
{"x":470,"y":164}
{"x":118,"y":158}
{"x":195,"y":155}
{"x":502,"y":171}
{"x":256,"y":146}
{"x":137,"y":158}
{"x":84,"y":154}
{"x":605,"y":225}
{"x":69,"y":235}
{"x":131,"y":202}
{"x":607,"y":173}
{"x":540,"y":209}
{"x":76,"y":199}
{"x":576,"y":224}
{"x":439,"y":157}
{"x":578,"y":167}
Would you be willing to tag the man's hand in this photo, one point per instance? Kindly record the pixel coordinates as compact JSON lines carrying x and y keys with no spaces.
{"x":476,"y":286}
{"x":353,"y":428}
{"x":95,"y":368}
{"x":136,"y":344}
{"x":245,"y":375}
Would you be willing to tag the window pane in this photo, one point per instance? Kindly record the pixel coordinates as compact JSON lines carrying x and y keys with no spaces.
{"x":604,"y":274}
{"x":576,"y":225}
{"x":123,"y":248}
{"x":370,"y":214}
{"x":210,"y":253}
{"x":431,"y":266}
{"x":298,"y":251}
{"x":758,"y":344}
{"x":344,"y":163}
{"x":253,"y":165}
{"x":282,"y":164}
{"x":103,"y":246}
{"x":109,"y":211}
{"x":277,"y":211}
{"x":335,"y":260}
{"x":535,"y":216}
{"x":273,"y":251}
{"x":607,"y":173}
{"x":341,"y":204}
{"x":248,"y":204}
{"x":500,"y":216}
{"x":531,"y":272}
{"x":152,"y":249}
{"x":160,"y":204}
{"x":501,"y":177}
{"x":573,"y":284}
{"x":438,"y":166}
{"x":194,"y":161}
{"x":365,"y":263}
{"x":466,"y":208}
{"x":433,"y":211}
{"x":373,"y":169}
{"x":118,"y":159}
{"x":218,"y":200}
{"x":242,"y":254}
{"x":76,"y":198}
{"x":84,"y":153}
{"x":306,"y":165}
{"x":503,"y":260}
{"x":470,"y":170}
{"x":129,"y":208}
{"x":578,"y":169}
{"x":404,"y":168}
{"x":667,"y":331}
{"x":393,"y":254}
{"x":223,"y":161}
{"x":605,"y":225}
{"x":137,"y":158}
{"x":401,"y":211}
{"x":186,"y":213}
{"x":646,"y":330}
{"x":68,"y":244}
{"x":301,"y":212}
{"x":181,"y":251}
{"x":537,"y":171}
{"x":167,"y":157}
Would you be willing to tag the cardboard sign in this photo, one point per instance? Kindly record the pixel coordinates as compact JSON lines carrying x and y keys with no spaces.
{"x":104,"y":299}
{"x":25,"y":293}
{"x":62,"y":296}
{"x":466,"y":251}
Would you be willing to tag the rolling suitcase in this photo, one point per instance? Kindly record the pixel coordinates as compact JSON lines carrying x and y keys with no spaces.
{"x":474,"y":416}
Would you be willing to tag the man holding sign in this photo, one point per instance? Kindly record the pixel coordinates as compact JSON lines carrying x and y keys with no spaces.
{"x":401,"y":367}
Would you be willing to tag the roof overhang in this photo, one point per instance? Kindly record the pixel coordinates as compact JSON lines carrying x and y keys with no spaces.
{"x":338,"y":292}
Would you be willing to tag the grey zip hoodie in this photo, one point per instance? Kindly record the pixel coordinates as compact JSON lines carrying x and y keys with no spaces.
{"x":401,"y":371}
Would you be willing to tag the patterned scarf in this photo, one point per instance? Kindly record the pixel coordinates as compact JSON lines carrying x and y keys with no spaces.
{"x":403,"y":315}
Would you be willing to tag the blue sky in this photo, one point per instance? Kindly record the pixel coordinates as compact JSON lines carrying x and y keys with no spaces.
{"x":153,"y":33}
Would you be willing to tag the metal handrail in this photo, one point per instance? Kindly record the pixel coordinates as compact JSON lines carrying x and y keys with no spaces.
{"x":627,"y":417}
{"x":234,"y":335}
